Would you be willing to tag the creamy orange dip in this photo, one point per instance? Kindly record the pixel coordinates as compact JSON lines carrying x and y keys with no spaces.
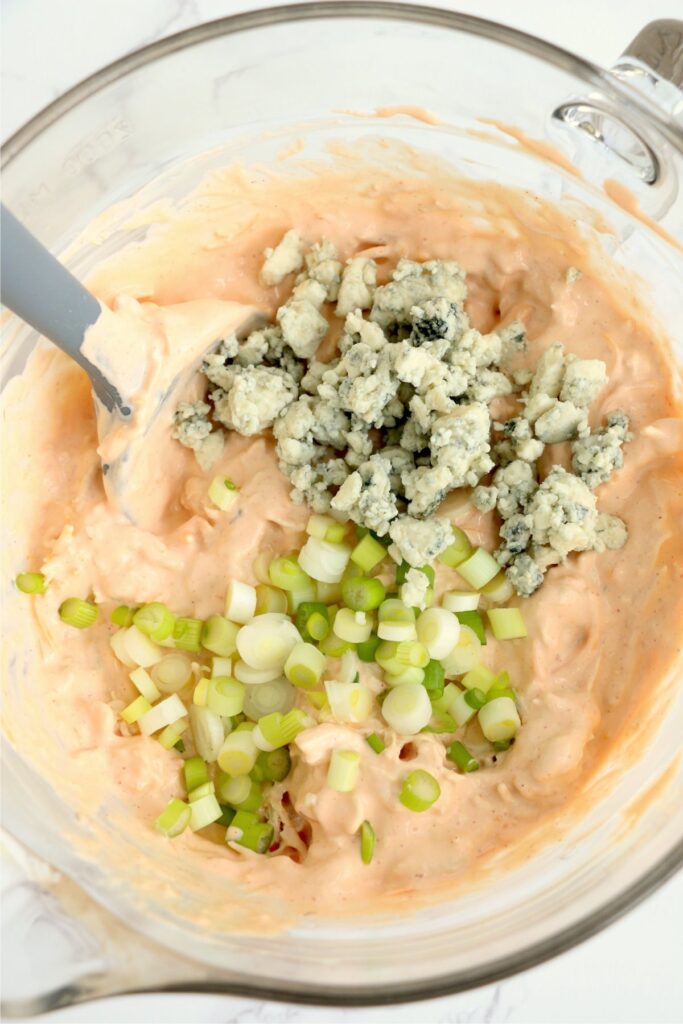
{"x":603,"y":630}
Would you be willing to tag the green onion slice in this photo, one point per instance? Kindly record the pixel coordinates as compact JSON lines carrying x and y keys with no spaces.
{"x":362,"y":593}
{"x":31,"y":583}
{"x":367,"y":842}
{"x":77,"y":613}
{"x":155,"y":620}
{"x":460,"y":756}
{"x":174,"y":819}
{"x":420,"y":791}
{"x":375,"y":742}
{"x":123,"y":616}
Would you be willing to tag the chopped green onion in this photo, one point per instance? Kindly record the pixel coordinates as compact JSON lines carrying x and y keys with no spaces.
{"x":196,"y":773}
{"x":144,"y":684}
{"x":332,"y":647}
{"x":500,"y":687}
{"x":240,"y":602}
{"x":352,"y":627}
{"x":317,"y":526}
{"x":349,"y":702}
{"x":169,"y":738}
{"x":208,"y":732}
{"x":166,"y":712}
{"x":238,"y":753}
{"x":464,"y":655}
{"x":458,"y":551}
{"x":479,"y":678}
{"x":412,"y":653}
{"x":419,"y":791}
{"x":461,"y":601}
{"x":367,"y":842}
{"x":475,"y":622}
{"x":219,"y":636}
{"x":274,"y":765}
{"x":305,"y":594}
{"x":304,"y":666}
{"x":367,"y":650}
{"x":362,"y":593}
{"x":174,"y":819}
{"x":223,"y":493}
{"x":342,"y":774}
{"x":255,"y":676}
{"x":479,"y":569}
{"x":225,"y":696}
{"x":265,"y":643}
{"x":172,"y":673}
{"x":31,"y":582}
{"x":407,"y":708}
{"x":246,"y":830}
{"x":409,"y":674}
{"x":200,"y":693}
{"x":499,"y":589}
{"x":269,"y":599}
{"x":286,"y":574}
{"x":123,"y":616}
{"x":187,"y":634}
{"x":324,"y":561}
{"x":227,"y":816}
{"x":204,"y":812}
{"x":460,"y":756}
{"x":313,"y":620}
{"x":375,"y":742}
{"x":475,"y":698}
{"x":368,"y":553}
{"x":439,"y":631}
{"x":507,"y":623}
{"x":396,"y":621}
{"x":155,"y":620}
{"x":77,"y":613}
{"x":240,"y":792}
{"x":499,"y":719}
{"x":393,"y":610}
{"x":278,"y":730}
{"x":460,"y":710}
{"x":261,"y":567}
{"x":135,"y":710}
{"x":327,"y":593}
{"x":221,"y":667}
{"x":318,"y":699}
{"x":138,"y":648}
{"x":277,"y":695}
{"x":205,"y":789}
{"x":433,"y":680}
{"x":501,"y":745}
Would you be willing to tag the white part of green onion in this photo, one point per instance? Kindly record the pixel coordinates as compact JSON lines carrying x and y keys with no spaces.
{"x":342,"y":775}
{"x":166,"y":712}
{"x":461,"y":601}
{"x":304,"y":666}
{"x":204,"y":812}
{"x":255,"y":676}
{"x":409,"y":674}
{"x":478,"y":569}
{"x":118,"y":646}
{"x":465,"y":654}
{"x":507,"y":623}
{"x":347,"y":627}
{"x":240,"y":602}
{"x":499,"y":719}
{"x":397,"y":631}
{"x":174,"y":819}
{"x":261,"y":566}
{"x":324,"y":561}
{"x":223,"y":493}
{"x":439,"y":631}
{"x":278,"y":695}
{"x":238,"y":753}
{"x":169,"y":736}
{"x":479,"y":678}
{"x":144,"y":684}
{"x":225,"y":696}
{"x":348,"y":668}
{"x":172,"y":673}
{"x":140,"y":649}
{"x":267,"y":641}
{"x":498,"y":590}
{"x":317,"y":526}
{"x":208,"y":732}
{"x":349,"y":702}
{"x":407,"y":709}
{"x":221,"y":667}
{"x":459,"y":709}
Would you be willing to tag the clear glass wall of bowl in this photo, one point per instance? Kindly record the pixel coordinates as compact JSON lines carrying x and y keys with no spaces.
{"x":245,"y":89}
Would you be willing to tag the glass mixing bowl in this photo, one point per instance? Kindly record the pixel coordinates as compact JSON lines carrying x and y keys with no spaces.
{"x":245,"y":88}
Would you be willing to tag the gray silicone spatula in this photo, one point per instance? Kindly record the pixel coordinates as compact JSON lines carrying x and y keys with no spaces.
{"x":35,"y":286}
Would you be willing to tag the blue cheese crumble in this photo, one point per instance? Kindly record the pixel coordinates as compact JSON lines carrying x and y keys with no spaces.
{"x":401,"y":416}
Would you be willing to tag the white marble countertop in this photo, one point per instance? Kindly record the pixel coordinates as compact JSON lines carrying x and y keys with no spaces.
{"x":631,"y":972}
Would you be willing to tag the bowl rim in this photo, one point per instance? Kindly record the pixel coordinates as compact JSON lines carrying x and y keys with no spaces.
{"x":613,"y":908}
